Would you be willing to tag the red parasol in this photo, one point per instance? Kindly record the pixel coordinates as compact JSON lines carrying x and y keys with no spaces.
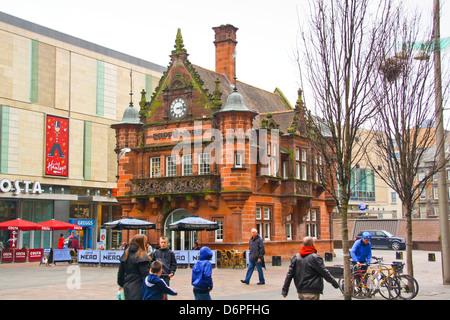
{"x":22,"y":225}
{"x":60,"y":225}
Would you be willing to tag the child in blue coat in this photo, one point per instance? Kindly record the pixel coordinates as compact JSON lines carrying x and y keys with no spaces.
{"x":202,"y":275}
{"x":153,"y":287}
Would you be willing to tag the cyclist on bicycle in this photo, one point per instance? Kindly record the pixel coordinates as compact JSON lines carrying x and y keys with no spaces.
{"x":362,"y":250}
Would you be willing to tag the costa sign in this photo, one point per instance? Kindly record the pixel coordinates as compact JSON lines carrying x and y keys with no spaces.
{"x":18,"y":186}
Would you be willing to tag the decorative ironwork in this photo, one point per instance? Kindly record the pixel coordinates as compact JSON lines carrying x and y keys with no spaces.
{"x":176,"y":185}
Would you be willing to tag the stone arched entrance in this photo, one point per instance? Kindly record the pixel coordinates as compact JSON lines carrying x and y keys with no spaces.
{"x":179,"y":240}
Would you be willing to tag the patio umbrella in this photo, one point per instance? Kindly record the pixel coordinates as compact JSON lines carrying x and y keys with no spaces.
{"x":60,"y":225}
{"x":129,"y":224}
{"x":22,"y":225}
{"x":193,"y":223}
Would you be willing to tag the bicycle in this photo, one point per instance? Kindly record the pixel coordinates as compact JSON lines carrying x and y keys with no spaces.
{"x":388,"y":281}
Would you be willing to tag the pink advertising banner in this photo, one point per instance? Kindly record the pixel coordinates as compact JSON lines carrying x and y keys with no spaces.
{"x":56,"y":146}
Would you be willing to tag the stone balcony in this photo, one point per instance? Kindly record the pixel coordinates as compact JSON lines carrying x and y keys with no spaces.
{"x":294,"y":187}
{"x":177,"y":185}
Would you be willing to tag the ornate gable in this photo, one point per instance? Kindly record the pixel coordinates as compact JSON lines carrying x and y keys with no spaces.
{"x":180,"y":95}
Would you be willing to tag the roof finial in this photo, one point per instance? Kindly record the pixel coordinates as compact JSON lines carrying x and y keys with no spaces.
{"x":234,"y":58}
{"x":131,"y":87}
{"x":179,"y":45}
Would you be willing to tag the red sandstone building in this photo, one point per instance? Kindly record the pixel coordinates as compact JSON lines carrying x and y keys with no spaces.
{"x":211,"y":146}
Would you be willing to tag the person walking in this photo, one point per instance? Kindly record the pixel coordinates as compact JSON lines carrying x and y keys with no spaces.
{"x":202,"y":275}
{"x":308,"y":271}
{"x":134,"y":267}
{"x":255,"y":258}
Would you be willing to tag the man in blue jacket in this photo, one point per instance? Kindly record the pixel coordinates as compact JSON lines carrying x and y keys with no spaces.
{"x":362,"y":250}
{"x":202,"y":275}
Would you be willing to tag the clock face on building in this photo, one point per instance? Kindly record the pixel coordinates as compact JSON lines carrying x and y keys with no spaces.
{"x":178,"y":108}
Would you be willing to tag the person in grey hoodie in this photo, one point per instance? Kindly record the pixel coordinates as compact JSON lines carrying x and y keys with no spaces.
{"x":202,"y":275}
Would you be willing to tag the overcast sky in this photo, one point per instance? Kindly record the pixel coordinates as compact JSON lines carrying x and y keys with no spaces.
{"x":147,"y":28}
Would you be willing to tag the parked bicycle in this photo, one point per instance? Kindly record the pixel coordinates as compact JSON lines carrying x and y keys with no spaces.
{"x":385,"y":279}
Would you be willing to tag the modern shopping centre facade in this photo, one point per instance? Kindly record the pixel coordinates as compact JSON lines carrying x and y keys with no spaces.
{"x":59,"y":96}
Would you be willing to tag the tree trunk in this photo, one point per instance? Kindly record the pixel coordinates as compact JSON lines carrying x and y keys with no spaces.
{"x":409,"y":241}
{"x":343,"y":212}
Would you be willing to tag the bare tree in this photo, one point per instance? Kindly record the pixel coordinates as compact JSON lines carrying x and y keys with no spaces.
{"x":341,"y":53}
{"x":405,"y":126}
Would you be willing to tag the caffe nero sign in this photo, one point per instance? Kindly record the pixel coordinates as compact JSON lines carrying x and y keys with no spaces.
{"x":17,"y":187}
{"x":177,"y":134}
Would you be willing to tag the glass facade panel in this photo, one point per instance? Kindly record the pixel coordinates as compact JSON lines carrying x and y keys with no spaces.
{"x":362,"y":185}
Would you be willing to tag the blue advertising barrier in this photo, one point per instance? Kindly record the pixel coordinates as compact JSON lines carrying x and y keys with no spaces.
{"x":99,"y":256}
{"x":183,"y":257}
{"x":61,"y":255}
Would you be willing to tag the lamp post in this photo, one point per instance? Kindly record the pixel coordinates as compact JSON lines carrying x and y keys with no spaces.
{"x":440,"y":149}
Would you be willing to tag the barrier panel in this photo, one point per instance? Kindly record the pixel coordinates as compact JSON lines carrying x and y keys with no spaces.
{"x":110,"y":256}
{"x":61,"y":255}
{"x":35,"y":254}
{"x":185,"y":257}
{"x":88,"y":256}
{"x":7,"y":256}
{"x":20,"y":255}
{"x":99,"y":256}
{"x":182,"y":256}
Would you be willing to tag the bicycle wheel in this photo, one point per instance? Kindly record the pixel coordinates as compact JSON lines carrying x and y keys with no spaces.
{"x":360,"y":290}
{"x":389,"y":288}
{"x":408,"y":287}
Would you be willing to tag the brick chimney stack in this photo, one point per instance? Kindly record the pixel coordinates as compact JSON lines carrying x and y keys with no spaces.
{"x":225,"y":42}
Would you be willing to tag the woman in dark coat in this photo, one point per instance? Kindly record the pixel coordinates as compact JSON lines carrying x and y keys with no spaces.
{"x":134,"y":267}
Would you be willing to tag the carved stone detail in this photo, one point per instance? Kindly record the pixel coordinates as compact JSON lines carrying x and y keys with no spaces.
{"x":176,"y":185}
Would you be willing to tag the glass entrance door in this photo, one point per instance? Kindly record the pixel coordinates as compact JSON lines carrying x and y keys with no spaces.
{"x":179,"y":240}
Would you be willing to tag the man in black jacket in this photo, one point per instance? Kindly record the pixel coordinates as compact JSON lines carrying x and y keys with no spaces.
{"x":255,"y":258}
{"x":308,"y":270}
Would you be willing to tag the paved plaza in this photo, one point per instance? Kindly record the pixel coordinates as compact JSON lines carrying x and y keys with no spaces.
{"x":31,"y":281}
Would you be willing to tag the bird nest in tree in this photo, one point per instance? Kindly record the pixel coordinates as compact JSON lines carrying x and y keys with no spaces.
{"x":391,"y":68}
